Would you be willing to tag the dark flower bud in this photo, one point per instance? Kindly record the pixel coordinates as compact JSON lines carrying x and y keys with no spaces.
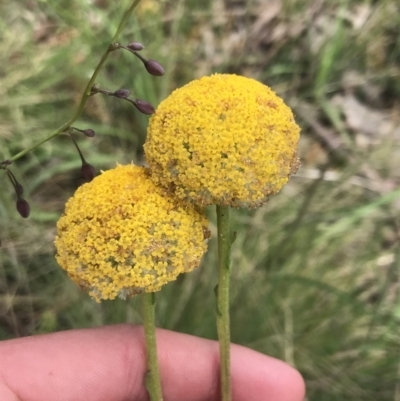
{"x":154,"y":68}
{"x":135,"y":46}
{"x":89,"y":132}
{"x":122,"y":93}
{"x":23,"y":207}
{"x":143,"y":106}
{"x":88,"y":172}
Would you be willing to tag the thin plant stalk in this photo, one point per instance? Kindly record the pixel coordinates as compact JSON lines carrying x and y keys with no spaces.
{"x":152,"y":380}
{"x":223,"y":320}
{"x":87,"y":91}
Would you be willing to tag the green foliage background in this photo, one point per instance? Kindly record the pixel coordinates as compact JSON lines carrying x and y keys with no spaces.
{"x":316,"y":270}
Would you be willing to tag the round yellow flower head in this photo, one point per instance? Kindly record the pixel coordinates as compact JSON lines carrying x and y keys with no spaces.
{"x":223,"y":139}
{"x":121,"y":235}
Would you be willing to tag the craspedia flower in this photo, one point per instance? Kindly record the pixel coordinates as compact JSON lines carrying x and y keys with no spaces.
{"x":121,"y":235}
{"x":225,"y":140}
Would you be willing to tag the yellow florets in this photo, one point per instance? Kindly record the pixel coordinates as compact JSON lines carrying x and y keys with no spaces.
{"x":225,"y":140}
{"x":122,"y":235}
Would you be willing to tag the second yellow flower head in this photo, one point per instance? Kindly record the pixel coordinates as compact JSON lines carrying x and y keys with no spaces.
{"x":122,"y":235}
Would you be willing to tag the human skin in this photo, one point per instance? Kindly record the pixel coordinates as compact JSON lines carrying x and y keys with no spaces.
{"x":109,"y":364}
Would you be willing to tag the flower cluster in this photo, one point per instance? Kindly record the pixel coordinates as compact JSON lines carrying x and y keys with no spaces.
{"x":121,"y":235}
{"x":223,"y":139}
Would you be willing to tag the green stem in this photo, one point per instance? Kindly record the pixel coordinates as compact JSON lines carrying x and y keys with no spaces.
{"x":86,"y":92}
{"x":152,"y":380}
{"x":223,"y":325}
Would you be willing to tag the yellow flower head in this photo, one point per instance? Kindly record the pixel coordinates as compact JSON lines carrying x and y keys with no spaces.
{"x":122,"y":235}
{"x":223,"y":139}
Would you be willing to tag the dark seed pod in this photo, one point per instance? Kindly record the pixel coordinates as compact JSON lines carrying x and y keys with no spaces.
{"x":144,"y":107}
{"x":135,"y":46}
{"x":23,"y":207}
{"x":154,"y":68}
{"x":88,"y":172}
{"x":89,"y":132}
{"x":122,"y":93}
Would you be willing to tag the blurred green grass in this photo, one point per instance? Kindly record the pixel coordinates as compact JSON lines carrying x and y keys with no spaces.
{"x":316,"y":270}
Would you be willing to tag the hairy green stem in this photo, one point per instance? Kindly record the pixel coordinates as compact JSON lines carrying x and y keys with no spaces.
{"x":152,"y":380}
{"x":87,"y":90}
{"x":223,"y":321}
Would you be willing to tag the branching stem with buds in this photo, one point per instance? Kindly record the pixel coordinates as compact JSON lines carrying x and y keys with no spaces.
{"x":85,"y":94}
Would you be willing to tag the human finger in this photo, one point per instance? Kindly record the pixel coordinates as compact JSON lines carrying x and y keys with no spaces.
{"x":109,"y":364}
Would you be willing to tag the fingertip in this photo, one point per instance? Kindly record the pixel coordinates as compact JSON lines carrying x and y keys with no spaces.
{"x":298,"y":386}
{"x":188,"y":362}
{"x":292,"y":385}
{"x":270,"y":378}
